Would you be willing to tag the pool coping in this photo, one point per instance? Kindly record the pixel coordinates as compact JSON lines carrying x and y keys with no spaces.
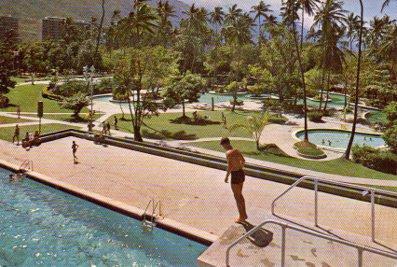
{"x":169,"y":225}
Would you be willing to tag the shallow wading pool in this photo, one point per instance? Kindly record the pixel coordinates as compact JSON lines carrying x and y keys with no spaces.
{"x":40,"y":225}
{"x":340,"y":139}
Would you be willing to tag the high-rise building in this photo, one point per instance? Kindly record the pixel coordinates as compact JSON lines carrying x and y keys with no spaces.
{"x":53,"y":27}
{"x":8,"y":24}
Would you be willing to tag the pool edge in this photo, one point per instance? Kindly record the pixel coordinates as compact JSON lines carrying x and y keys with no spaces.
{"x":169,"y":225}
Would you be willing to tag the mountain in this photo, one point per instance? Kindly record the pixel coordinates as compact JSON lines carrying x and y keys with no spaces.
{"x":30,"y":12}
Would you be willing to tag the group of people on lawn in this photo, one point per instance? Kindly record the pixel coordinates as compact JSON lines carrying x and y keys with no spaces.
{"x":31,"y":139}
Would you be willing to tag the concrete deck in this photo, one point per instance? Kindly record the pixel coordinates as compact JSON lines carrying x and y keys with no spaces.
{"x":193,"y":195}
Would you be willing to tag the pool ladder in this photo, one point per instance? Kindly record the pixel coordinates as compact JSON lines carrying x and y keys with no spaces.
{"x":149,"y":220}
{"x":27,"y":165}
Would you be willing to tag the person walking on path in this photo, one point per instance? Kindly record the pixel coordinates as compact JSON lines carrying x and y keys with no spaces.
{"x":16,"y":134}
{"x":19,"y":112}
{"x":235,"y":165}
{"x":108,"y":127}
{"x":74,"y":150}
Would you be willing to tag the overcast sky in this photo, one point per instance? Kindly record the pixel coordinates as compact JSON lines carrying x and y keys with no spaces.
{"x":372,"y":7}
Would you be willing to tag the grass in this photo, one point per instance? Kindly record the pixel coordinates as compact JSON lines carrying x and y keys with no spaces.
{"x":163,"y":123}
{"x":66,"y":117}
{"x":377,"y":117}
{"x":19,"y":79}
{"x":27,"y":96}
{"x":7,"y":132}
{"x":339,"y":166}
{"x":6,"y":120}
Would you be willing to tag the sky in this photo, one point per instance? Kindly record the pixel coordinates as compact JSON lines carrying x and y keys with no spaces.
{"x":372,"y":7}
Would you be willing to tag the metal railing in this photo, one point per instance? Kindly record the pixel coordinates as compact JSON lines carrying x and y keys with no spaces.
{"x":284,"y":227}
{"x":365,"y":191}
{"x":149,"y":225}
{"x":26,"y":165}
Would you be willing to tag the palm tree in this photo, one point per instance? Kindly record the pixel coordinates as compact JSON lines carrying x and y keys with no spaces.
{"x":254,"y":125}
{"x":385,"y":4}
{"x":378,"y":29}
{"x":353,"y":24}
{"x":165,"y":11}
{"x":388,"y":50}
{"x":308,"y":7}
{"x":261,"y":10}
{"x":217,"y":16}
{"x":329,"y":20}
{"x":360,"y":40}
{"x":233,"y":13}
{"x":290,"y":15}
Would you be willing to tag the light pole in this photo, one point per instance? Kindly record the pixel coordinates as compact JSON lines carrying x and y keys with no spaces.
{"x":89,"y":76}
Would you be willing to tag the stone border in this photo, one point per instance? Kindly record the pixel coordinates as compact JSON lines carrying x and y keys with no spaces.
{"x":175,"y":227}
{"x":209,"y":161}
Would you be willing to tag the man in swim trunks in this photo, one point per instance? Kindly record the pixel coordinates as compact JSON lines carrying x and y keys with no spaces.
{"x":235,"y":165}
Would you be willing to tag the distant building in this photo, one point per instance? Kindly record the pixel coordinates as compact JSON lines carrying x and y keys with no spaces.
{"x":7,"y":24}
{"x":52,"y":27}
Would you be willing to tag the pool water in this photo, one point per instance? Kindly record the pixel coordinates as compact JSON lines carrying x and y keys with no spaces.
{"x":40,"y":225}
{"x":340,"y":139}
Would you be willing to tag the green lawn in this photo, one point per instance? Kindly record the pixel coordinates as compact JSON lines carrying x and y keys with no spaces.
{"x":27,"y":97}
{"x":65,"y":117}
{"x":378,"y":117}
{"x":339,"y":166}
{"x":163,"y":122}
{"x":8,"y":132}
{"x":6,"y":120}
{"x":19,"y":79}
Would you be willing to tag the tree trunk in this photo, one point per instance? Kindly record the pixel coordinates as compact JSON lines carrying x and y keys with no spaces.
{"x":302,"y":73}
{"x":302,"y":27}
{"x":137,"y":134}
{"x":350,"y":145}
{"x":234,"y":101}
{"x":328,"y":87}
{"x":183,"y":108}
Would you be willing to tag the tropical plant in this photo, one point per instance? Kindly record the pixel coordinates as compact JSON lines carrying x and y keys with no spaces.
{"x":75,"y":102}
{"x":254,"y":125}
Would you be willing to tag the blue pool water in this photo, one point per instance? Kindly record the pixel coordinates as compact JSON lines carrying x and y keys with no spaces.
{"x":40,"y":225}
{"x":340,"y":139}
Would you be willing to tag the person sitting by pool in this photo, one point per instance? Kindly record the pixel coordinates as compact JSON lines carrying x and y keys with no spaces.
{"x":26,"y":142}
{"x":36,"y":139}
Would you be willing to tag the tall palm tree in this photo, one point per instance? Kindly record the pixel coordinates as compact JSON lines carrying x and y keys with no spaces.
{"x":330,"y":19}
{"x":388,"y":50}
{"x":308,"y":7}
{"x":378,"y":29}
{"x":261,"y":10}
{"x":234,"y":12}
{"x":217,"y":16}
{"x":353,"y":25}
{"x":165,"y":11}
{"x":360,"y":40}
{"x":385,"y":4}
{"x":290,"y":15}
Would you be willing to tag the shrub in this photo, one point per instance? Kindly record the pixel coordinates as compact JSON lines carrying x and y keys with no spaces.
{"x":164,"y":134}
{"x":104,"y":87}
{"x":4,"y":101}
{"x":120,"y":93}
{"x":272,"y":149}
{"x":330,"y":112}
{"x":391,"y":112}
{"x":315,"y":116}
{"x":309,"y":150}
{"x":71,"y":88}
{"x":278,"y":119}
{"x":390,"y":137}
{"x":383,"y":161}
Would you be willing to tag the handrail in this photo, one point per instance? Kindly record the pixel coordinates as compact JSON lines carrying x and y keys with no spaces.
{"x":26,"y":164}
{"x":155,"y":204}
{"x":365,"y":191}
{"x":360,"y":249}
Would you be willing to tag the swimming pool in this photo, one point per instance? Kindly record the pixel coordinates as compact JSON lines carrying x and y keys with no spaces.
{"x":40,"y":225}
{"x":340,"y":139}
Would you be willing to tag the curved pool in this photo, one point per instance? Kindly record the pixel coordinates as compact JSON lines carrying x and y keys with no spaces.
{"x":340,"y":139}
